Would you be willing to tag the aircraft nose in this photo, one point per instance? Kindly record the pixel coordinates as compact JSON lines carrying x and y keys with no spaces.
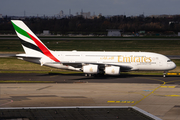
{"x":173,"y":65}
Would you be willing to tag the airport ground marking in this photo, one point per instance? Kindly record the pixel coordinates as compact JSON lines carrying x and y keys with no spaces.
{"x":158,"y":88}
{"x":172,"y":95}
{"x":7,"y":102}
{"x":126,"y":101}
{"x":167,"y":95}
{"x":173,"y":81}
{"x":111,"y":101}
{"x":150,"y":92}
{"x":173,"y":73}
{"x":121,"y":101}
{"x":168,"y":86}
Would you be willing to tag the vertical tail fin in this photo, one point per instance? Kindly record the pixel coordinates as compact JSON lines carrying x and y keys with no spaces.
{"x":32,"y":45}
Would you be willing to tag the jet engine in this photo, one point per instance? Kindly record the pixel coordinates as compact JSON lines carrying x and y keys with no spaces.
{"x":112,"y":70}
{"x":91,"y":69}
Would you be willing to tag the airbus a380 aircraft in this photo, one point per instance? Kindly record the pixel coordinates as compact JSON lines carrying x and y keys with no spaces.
{"x":91,"y":62}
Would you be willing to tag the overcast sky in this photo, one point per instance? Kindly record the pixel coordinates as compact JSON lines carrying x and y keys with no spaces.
{"x":106,"y":7}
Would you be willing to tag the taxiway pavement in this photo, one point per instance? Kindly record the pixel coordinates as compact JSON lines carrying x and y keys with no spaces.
{"x":154,"y":94}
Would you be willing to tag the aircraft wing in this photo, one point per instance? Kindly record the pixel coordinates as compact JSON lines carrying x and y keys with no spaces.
{"x":101,"y":65}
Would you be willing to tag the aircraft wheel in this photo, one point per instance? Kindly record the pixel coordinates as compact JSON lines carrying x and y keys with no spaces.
{"x":88,"y":75}
{"x":164,"y":75}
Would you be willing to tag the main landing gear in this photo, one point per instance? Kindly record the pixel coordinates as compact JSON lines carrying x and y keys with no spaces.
{"x":88,"y":75}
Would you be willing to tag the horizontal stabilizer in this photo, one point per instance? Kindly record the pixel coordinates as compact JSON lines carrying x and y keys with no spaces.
{"x":27,"y":56}
{"x":7,"y":55}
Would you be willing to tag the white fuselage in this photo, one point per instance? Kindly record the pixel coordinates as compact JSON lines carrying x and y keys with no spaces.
{"x":134,"y":61}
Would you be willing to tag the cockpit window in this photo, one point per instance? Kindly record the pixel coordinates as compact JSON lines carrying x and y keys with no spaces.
{"x":168,"y":60}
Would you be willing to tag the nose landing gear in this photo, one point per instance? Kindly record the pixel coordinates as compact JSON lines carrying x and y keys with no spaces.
{"x":164,"y":73}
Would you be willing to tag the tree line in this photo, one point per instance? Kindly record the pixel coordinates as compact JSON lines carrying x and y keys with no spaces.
{"x":97,"y":26}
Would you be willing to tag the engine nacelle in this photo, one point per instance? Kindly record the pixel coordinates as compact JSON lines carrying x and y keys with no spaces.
{"x":112,"y":70}
{"x":91,"y":69}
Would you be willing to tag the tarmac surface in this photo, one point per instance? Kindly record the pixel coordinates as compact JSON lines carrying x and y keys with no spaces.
{"x":154,"y":94}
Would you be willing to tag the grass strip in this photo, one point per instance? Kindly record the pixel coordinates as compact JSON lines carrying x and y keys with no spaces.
{"x":166,"y":47}
{"x":11,"y":81}
{"x":41,"y":72}
{"x":22,"y":71}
